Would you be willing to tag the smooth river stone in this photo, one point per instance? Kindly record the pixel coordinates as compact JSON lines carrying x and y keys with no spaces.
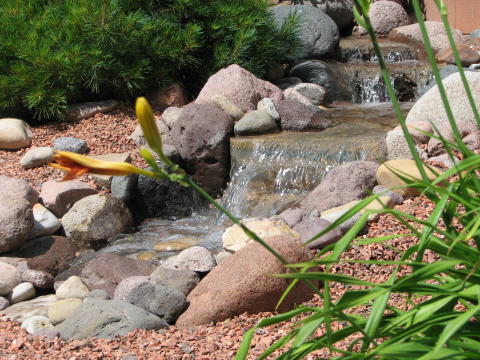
{"x":176,"y":244}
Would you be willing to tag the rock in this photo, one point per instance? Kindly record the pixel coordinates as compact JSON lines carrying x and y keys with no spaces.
{"x":36,"y":157}
{"x":160,"y":300}
{"x":475,"y":34}
{"x":170,"y":115}
{"x":37,"y":278}
{"x":387,"y":178}
{"x":268,"y":106}
{"x":25,"y":309}
{"x":105,"y":271}
{"x":124,"y":287}
{"x":139,"y":139}
{"x":295,"y":116}
{"x":275,"y":71}
{"x":255,"y":122}
{"x":288,"y":82}
{"x":317,"y":32}
{"x":34,"y":324}
{"x":386,"y":16}
{"x":472,"y":140}
{"x":315,"y":93}
{"x":293,"y":95}
{"x":10,"y":278}
{"x":73,"y":287}
{"x":468,"y":56}
{"x":436,"y":33}
{"x":168,"y":96}
{"x":234,"y":238}
{"x":397,"y":147}
{"x":176,"y":244}
{"x":222,"y":103}
{"x":396,"y":198}
{"x":311,"y":226}
{"x":196,"y":258}
{"x":4,"y":303}
{"x":340,"y":11}
{"x":106,"y":319}
{"x":124,"y":188}
{"x":347,"y":182}
{"x":106,"y":180}
{"x":16,"y":221}
{"x":96,"y":218}
{"x":222,"y":256}
{"x":14,"y":134}
{"x":243,"y":283}
{"x":240,"y":87}
{"x":49,"y":254}
{"x":201,"y":136}
{"x":99,"y":294}
{"x":85,"y":110}
{"x":430,"y":107}
{"x":445,"y":160}
{"x":71,"y":144}
{"x":181,"y":280}
{"x":18,"y":188}
{"x":331,"y":215}
{"x":59,"y":196}
{"x":63,"y":309}
{"x":320,"y":73}
{"x":21,"y":292}
{"x":45,"y":222}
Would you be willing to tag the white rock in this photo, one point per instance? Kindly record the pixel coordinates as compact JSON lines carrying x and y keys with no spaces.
{"x":315,"y":93}
{"x":73,"y":287}
{"x":22,"y":292}
{"x":35,"y":324}
{"x":170,"y":115}
{"x":195,"y":258}
{"x":14,"y":134}
{"x":9,"y":278}
{"x":37,"y":157}
{"x":267,"y":104}
{"x":45,"y":222}
{"x":25,"y":309}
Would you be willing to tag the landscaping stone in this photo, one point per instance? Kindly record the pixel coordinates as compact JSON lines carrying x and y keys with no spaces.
{"x":21,"y":292}
{"x":107,"y":319}
{"x":255,"y":122}
{"x":162,"y":301}
{"x":36,"y":157}
{"x":317,"y":32}
{"x":16,"y":221}
{"x":268,"y":106}
{"x":315,"y":93}
{"x":221,"y":102}
{"x":335,"y":213}
{"x":287,"y":82}
{"x":311,"y":226}
{"x":170,"y":115}
{"x":293,"y":95}
{"x":445,"y":160}
{"x":73,"y":287}
{"x":468,"y":56}
{"x":320,"y":73}
{"x":234,"y":238}
{"x":59,"y":196}
{"x":106,"y":180}
{"x":195,"y":258}
{"x":222,"y":256}
{"x":340,"y":11}
{"x":18,"y":188}
{"x":82,"y":111}
{"x":45,"y":222}
{"x":396,"y":143}
{"x":430,"y":107}
{"x":14,"y":134}
{"x":240,"y":87}
{"x":387,"y":178}
{"x":63,"y":309}
{"x":105,"y":271}
{"x":167,"y":96}
{"x":4,"y":303}
{"x":34,"y":324}
{"x":176,"y":244}
{"x":386,"y":16}
{"x":96,"y":218}
{"x":25,"y":309}
{"x":139,"y":139}
{"x":201,"y":136}
{"x":99,"y":294}
{"x":9,"y":278}
{"x":395,"y":197}
{"x":124,"y":187}
{"x":71,"y":144}
{"x":181,"y":280}
{"x":295,"y":116}
{"x":243,"y":283}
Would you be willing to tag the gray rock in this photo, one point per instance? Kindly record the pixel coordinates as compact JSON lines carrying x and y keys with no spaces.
{"x":96,"y":218}
{"x":287,"y":82}
{"x":222,"y":256}
{"x":4,"y":303}
{"x":317,"y":31}
{"x":255,"y":122}
{"x":99,"y":294}
{"x":106,"y":180}
{"x":21,"y":292}
{"x":311,"y":226}
{"x":34,"y":324}
{"x":170,"y":115}
{"x":195,"y":258}
{"x":10,"y":278}
{"x":396,"y":198}
{"x":16,"y":221}
{"x":475,"y":34}
{"x":314,"y":92}
{"x":45,"y":222}
{"x":445,"y":71}
{"x":293,"y":95}
{"x":106,"y":319}
{"x":222,"y":103}
{"x":36,"y":157}
{"x":340,"y":11}
{"x":445,"y":159}
{"x":181,"y":280}
{"x":71,"y":144}
{"x":18,"y":188}
{"x":125,"y":187}
{"x":296,"y":116}
{"x":63,"y":309}
{"x":25,"y":309}
{"x":268,"y":106}
{"x":318,"y":72}
{"x":85,"y":110}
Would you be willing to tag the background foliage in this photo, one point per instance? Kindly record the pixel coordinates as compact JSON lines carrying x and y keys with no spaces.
{"x":57,"y":52}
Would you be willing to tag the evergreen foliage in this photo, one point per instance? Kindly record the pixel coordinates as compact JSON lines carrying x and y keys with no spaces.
{"x":57,"y":52}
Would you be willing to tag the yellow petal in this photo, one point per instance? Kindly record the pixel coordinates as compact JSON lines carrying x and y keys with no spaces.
{"x":147,"y":122}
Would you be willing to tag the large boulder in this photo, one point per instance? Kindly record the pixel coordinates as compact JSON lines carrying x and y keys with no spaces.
{"x":106,"y":319}
{"x":340,"y":11}
{"x":430,"y":106}
{"x":239,"y":86}
{"x":201,"y":135}
{"x":386,"y":16}
{"x":59,"y":196}
{"x":18,"y":188}
{"x":243,"y":283}
{"x":320,"y":73}
{"x":14,"y":134}
{"x":16,"y":221}
{"x":318,"y":33}
{"x":295,"y":116}
{"x":436,"y":32}
{"x":96,"y":218}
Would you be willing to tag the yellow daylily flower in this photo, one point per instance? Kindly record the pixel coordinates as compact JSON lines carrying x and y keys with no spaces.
{"x":149,"y":127}
{"x":75,"y":165}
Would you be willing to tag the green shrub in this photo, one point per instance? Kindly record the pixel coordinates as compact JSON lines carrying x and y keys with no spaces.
{"x":57,"y":52}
